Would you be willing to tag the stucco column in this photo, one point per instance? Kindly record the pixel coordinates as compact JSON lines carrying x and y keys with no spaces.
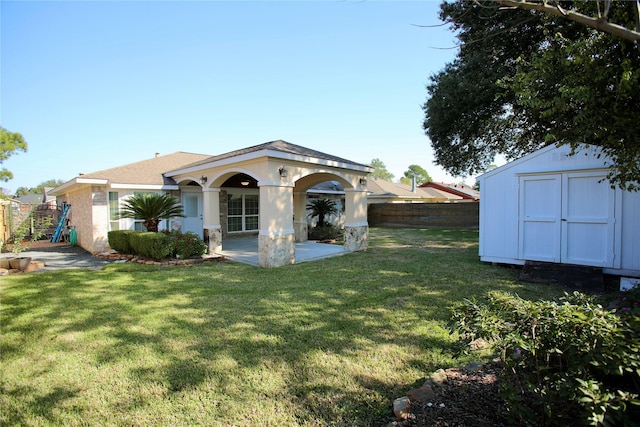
{"x":100,"y":218}
{"x":356,"y":227}
{"x":300,"y":223}
{"x":276,"y":246}
{"x":211,"y":219}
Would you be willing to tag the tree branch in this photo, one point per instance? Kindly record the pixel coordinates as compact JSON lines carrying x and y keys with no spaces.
{"x":598,"y":23}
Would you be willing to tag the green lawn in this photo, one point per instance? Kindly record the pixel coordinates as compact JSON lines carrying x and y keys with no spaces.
{"x":331,"y":342}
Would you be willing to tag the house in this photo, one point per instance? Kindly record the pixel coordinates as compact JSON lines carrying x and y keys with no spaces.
{"x":259,"y":190}
{"x":554,"y":207}
{"x":378,"y":192}
{"x":331,"y":190}
{"x":381,"y":191}
{"x":466,"y":193}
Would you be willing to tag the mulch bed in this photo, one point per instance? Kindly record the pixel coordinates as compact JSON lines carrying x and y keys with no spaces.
{"x":468,"y":397}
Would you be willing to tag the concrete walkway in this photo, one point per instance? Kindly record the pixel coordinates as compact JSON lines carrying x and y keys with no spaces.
{"x":245,"y":250}
{"x":61,"y":256}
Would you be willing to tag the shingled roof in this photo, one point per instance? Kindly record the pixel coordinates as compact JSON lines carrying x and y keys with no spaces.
{"x":277,"y":146}
{"x":378,"y":188}
{"x":147,"y":172}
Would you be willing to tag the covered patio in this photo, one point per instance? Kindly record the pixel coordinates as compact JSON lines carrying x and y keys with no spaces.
{"x":245,"y":250}
{"x":261,"y":192}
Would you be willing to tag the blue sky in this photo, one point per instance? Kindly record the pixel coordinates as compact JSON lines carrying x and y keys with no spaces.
{"x":93,"y":85}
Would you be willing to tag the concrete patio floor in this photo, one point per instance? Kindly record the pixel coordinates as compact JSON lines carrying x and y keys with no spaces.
{"x":245,"y":250}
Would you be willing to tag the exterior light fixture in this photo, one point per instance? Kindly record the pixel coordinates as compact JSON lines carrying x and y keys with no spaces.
{"x":203,"y":180}
{"x":244,"y":183}
{"x":363,"y":181}
{"x":283,"y":172}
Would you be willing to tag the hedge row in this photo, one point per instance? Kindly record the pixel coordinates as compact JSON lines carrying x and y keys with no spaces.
{"x":156,"y":245}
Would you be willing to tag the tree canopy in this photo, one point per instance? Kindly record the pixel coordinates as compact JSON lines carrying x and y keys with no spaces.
{"x":380,"y":171}
{"x":321,"y":208}
{"x":10,"y":143}
{"x":419,"y":172}
{"x":524,"y":79}
{"x":152,"y":208}
{"x":39,"y":189}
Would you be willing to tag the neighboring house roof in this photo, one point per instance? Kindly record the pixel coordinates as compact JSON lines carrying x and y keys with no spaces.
{"x":280,"y":149}
{"x":380,"y":189}
{"x":30,"y":199}
{"x":138,"y":174}
{"x":327,"y":187}
{"x":461,"y":190}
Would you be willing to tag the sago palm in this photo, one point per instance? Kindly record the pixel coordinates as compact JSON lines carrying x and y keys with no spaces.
{"x":151,"y":208}
{"x":321,"y":208}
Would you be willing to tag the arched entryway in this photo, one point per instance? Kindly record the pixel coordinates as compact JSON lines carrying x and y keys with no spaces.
{"x":275,"y":176}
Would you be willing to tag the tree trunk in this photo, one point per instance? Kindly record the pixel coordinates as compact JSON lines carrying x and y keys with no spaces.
{"x":151,"y":225}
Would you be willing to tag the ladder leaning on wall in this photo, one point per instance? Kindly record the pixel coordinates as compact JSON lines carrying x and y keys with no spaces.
{"x":58,"y":233}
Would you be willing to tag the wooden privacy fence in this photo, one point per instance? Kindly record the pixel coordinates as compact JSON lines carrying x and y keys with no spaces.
{"x":425,"y":215}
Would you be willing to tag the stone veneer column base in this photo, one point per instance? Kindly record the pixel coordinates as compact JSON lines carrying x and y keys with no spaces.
{"x":356,"y":237}
{"x":302,"y":231}
{"x":276,"y":250}
{"x":213,"y":237}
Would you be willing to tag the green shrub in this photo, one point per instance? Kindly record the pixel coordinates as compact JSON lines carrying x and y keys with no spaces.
{"x":185,"y":245}
{"x":569,"y":362}
{"x":150,"y":244}
{"x":325,"y":232}
{"x":119,"y":240}
{"x":628,"y":302}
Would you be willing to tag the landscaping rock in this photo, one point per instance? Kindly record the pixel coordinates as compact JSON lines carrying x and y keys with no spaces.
{"x":438,"y":377}
{"x":401,"y":408}
{"x":474,"y":366}
{"x":421,"y":394}
{"x":478,"y":344}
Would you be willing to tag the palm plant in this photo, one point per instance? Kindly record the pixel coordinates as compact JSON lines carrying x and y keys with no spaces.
{"x":151,"y":208}
{"x":321,"y":208}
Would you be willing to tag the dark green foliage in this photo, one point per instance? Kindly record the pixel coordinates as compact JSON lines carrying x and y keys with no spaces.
{"x":119,"y":240}
{"x":151,"y":245}
{"x":152,"y":208}
{"x":380,"y":171}
{"x":567,"y":362}
{"x":628,"y":303}
{"x":326,"y":232}
{"x":185,"y":245}
{"x":524,"y":79}
{"x":321,"y":208}
{"x":10,"y":143}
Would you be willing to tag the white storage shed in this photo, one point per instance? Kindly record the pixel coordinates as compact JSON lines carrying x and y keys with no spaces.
{"x":552,"y":207}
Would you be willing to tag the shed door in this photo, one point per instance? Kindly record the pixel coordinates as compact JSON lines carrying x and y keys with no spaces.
{"x":539,"y":231}
{"x":568,"y":218}
{"x":588,"y":220}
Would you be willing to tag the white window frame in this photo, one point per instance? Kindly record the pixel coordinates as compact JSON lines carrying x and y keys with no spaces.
{"x":243,"y":193}
{"x":113,"y":219}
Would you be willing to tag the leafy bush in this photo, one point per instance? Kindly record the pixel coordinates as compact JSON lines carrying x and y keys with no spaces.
{"x":628,"y":303}
{"x":185,"y":245}
{"x":150,"y":244}
{"x":324,"y":232}
{"x":570,"y":362}
{"x":119,"y":240}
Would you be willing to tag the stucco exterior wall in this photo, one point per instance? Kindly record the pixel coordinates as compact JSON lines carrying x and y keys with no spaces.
{"x":89,"y":215}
